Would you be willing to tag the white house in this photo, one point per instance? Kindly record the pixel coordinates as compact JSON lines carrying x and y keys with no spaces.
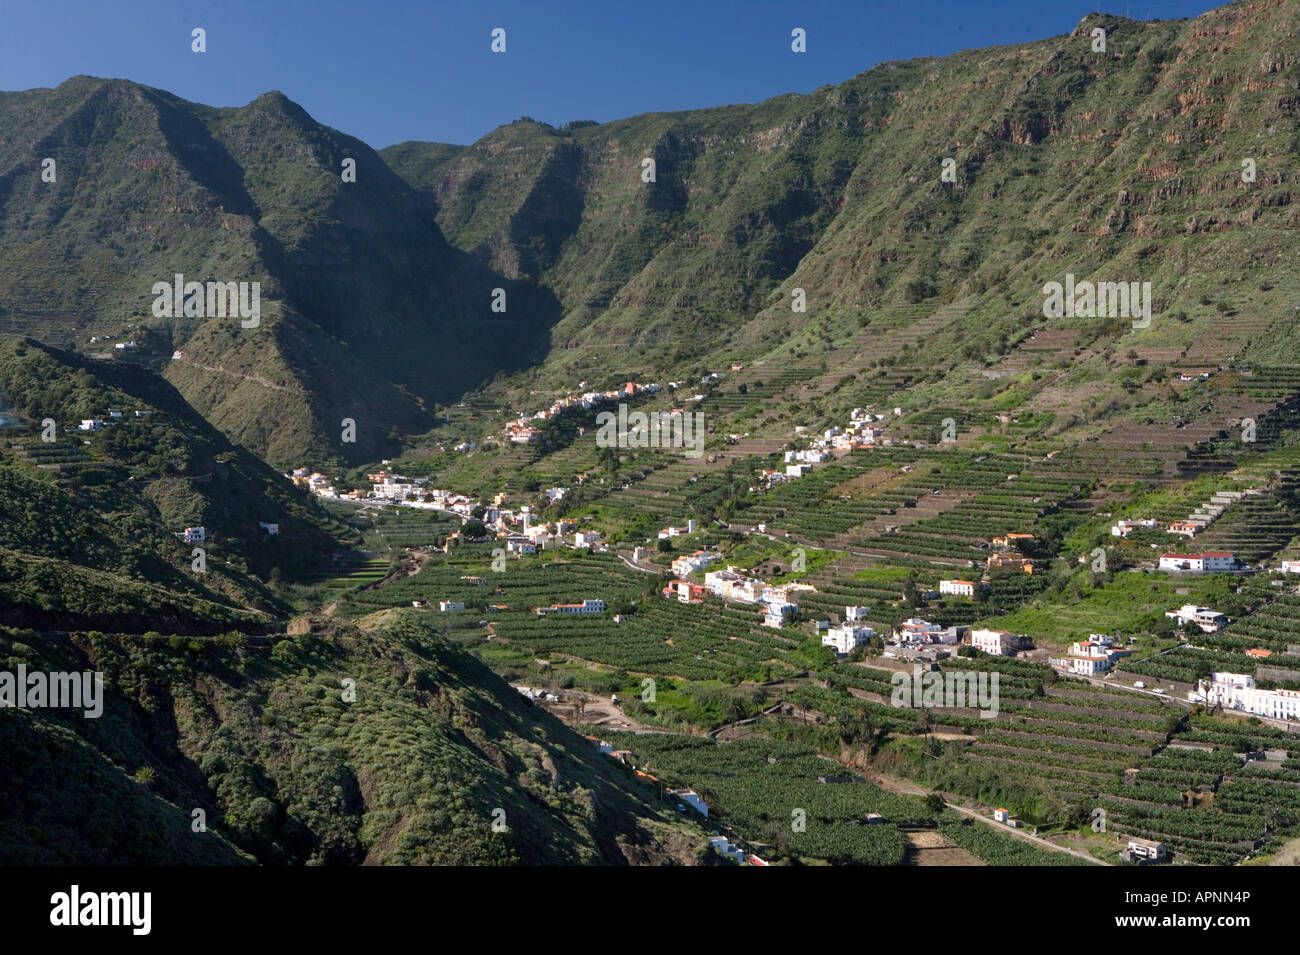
{"x":916,"y":630}
{"x":852,"y":614}
{"x":1208,"y":620}
{"x":195,"y":535}
{"x":730,"y":585}
{"x":845,"y":637}
{"x":691,"y":798}
{"x":587,"y":606}
{"x":775,"y":611}
{"x":90,"y":424}
{"x":1237,"y":691}
{"x":445,"y":605}
{"x":726,"y":847}
{"x":1082,"y":665}
{"x":1146,"y":849}
{"x":585,"y":538}
{"x":1122,"y":528}
{"x":996,"y":642}
{"x":1089,"y":657}
{"x":1291,"y":566}
{"x":686,"y":565}
{"x":271,"y":529}
{"x":958,"y":588}
{"x":1198,"y":563}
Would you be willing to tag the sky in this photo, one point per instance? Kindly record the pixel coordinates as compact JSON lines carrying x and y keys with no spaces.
{"x":387,"y":71}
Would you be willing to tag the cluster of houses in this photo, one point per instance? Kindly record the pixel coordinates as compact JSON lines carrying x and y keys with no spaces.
{"x":1005,"y":557}
{"x":731,"y":584}
{"x":687,"y":591}
{"x":118,"y":346}
{"x":1237,"y":691}
{"x":1090,"y":657}
{"x":667,"y":532}
{"x":1194,"y":523}
{"x":778,"y":602}
{"x":917,"y":639}
{"x":859,"y":433}
{"x":98,"y":424}
{"x":519,"y":528}
{"x":688,"y":564}
{"x":1011,"y":562}
{"x":523,"y":429}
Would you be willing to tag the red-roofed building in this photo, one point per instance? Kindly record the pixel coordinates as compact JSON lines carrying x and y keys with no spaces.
{"x":685,"y":591}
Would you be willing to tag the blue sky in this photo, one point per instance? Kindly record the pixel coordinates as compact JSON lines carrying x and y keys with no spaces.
{"x":391,"y":70}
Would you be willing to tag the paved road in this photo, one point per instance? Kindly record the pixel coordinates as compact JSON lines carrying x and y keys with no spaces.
{"x":636,"y":566}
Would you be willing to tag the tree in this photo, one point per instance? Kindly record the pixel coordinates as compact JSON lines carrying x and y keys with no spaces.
{"x":664,"y":546}
{"x":911,"y":593}
{"x":736,"y":709}
{"x":934,"y":802}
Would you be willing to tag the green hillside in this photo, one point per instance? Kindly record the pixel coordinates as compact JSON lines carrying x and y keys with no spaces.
{"x":366,"y":312}
{"x":432,"y":751}
{"x":1118,"y":166}
{"x":92,"y":524}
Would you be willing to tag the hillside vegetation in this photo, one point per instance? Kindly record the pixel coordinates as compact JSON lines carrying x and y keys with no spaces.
{"x":430,"y":752}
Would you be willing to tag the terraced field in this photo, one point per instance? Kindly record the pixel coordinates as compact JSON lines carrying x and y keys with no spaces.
{"x":1155,"y":771}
